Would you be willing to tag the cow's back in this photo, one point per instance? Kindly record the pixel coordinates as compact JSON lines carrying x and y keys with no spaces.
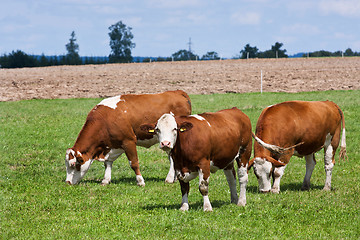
{"x":293,"y":122}
{"x":228,"y":122}
{"x":218,"y":136}
{"x":147,"y":108}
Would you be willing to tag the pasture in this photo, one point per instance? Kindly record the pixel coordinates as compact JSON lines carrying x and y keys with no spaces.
{"x":35,"y":202}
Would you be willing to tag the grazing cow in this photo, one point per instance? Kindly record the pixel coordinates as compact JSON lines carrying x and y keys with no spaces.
{"x":296,"y":128}
{"x":204,"y":143}
{"x":113,"y":127}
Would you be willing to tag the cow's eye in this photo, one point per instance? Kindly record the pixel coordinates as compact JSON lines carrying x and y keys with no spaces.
{"x":157,"y":130}
{"x":175,"y":129}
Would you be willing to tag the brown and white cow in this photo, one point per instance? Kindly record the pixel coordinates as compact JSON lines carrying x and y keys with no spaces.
{"x":204,"y":143}
{"x":296,"y":128}
{"x":113,"y":127}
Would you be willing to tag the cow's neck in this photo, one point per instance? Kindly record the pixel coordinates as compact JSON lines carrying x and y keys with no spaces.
{"x":88,"y":140}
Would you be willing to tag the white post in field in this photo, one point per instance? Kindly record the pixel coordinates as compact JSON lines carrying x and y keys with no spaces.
{"x":261,"y":83}
{"x":247,"y":55}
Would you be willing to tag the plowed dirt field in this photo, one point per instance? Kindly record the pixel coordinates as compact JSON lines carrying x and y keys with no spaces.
{"x":194,"y":77}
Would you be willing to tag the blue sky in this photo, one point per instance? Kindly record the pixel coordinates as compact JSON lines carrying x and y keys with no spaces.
{"x":162,"y":27}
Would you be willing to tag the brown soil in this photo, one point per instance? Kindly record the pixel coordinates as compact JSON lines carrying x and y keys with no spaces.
{"x":194,"y":77}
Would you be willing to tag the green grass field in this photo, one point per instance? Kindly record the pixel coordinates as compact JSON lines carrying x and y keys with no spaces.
{"x":35,"y":202}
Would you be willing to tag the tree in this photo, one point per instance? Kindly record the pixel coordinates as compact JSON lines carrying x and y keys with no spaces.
{"x":274,"y":52}
{"x":252,"y":51}
{"x":276,"y":49}
{"x":321,"y":53}
{"x":43,"y":61}
{"x":184,"y":55}
{"x":349,"y":52}
{"x":210,"y":56}
{"x":120,"y":43}
{"x":72,"y":57}
{"x":18,"y":59}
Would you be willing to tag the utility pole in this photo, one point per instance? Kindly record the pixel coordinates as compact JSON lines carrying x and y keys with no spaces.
{"x":189,"y":43}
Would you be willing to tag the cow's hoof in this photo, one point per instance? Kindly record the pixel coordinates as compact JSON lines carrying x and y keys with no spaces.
{"x":140,"y":181}
{"x":105,"y":182}
{"x":184,"y":207}
{"x":327,"y":188}
{"x":169,"y":180}
{"x":234,"y":200}
{"x":305,"y":188}
{"x":277,"y":191}
{"x":241,"y":202}
{"x":207,"y":208}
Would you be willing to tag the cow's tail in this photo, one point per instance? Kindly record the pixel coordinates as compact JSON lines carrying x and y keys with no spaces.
{"x":273,"y":148}
{"x":342,"y":154}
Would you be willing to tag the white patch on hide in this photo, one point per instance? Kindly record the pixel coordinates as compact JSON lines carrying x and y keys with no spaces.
{"x":187,"y":177}
{"x":112,"y":155}
{"x":111,"y":102}
{"x":198,"y":117}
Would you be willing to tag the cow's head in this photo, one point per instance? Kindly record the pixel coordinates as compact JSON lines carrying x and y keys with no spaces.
{"x":167,"y":130}
{"x":76,"y":166}
{"x":263,"y":168}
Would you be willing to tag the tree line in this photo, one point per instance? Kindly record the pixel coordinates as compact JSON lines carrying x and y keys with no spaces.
{"x":121,"y":45}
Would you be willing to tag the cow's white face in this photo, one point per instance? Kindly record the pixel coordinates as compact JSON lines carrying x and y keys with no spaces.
{"x":166,"y":131}
{"x":262,"y":170}
{"x":74,"y":172}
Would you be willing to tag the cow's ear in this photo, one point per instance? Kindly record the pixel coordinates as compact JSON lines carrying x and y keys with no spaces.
{"x":149,"y":128}
{"x":69,"y":154}
{"x":79,"y":161}
{"x":185,"y":126}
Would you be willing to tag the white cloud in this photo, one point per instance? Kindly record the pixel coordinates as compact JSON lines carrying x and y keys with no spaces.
{"x":197,"y":18}
{"x":249,"y":18}
{"x":346,"y":8}
{"x":343,"y":36}
{"x":300,"y":6}
{"x":133,"y":21}
{"x":174,"y":4}
{"x":355,"y":45}
{"x":301,"y":28}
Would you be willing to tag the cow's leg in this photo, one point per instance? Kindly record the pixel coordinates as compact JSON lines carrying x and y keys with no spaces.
{"x":185,"y":186}
{"x":170,"y":178}
{"x":131,"y":153}
{"x":243,"y":180}
{"x":113,"y":155}
{"x":242,"y":162}
{"x":107,"y":176}
{"x":329,"y":161}
{"x":204,"y":175}
{"x":231,"y":179}
{"x":277,"y":174}
{"x":310,"y":164}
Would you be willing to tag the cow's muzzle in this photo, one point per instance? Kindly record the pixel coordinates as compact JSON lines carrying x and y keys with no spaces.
{"x":165,"y":144}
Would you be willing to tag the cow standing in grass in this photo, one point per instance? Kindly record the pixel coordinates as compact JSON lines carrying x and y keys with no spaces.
{"x":296,"y":128}
{"x":204,"y":143}
{"x":113,"y":127}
